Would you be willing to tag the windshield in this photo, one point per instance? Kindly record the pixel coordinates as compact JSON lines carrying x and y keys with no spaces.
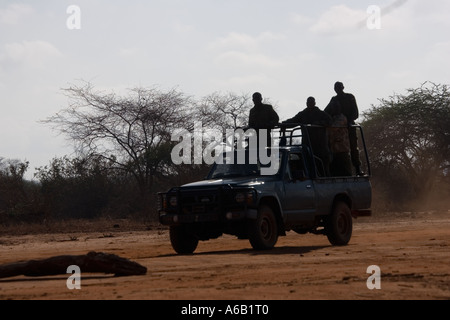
{"x":234,"y":170}
{"x":230,"y":168}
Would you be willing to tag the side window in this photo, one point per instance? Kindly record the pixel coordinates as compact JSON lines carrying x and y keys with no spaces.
{"x":296,"y":167}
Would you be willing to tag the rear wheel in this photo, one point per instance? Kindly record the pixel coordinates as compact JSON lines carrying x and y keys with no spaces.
{"x":263,"y":232}
{"x":183,"y":242}
{"x":339,"y":225}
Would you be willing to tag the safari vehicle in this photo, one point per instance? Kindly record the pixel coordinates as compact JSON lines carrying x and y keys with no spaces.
{"x":237,"y":199}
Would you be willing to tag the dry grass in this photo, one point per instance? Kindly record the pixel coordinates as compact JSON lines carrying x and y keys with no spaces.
{"x":103,"y":225}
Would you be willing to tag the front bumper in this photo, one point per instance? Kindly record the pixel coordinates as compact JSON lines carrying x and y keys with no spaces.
{"x":174,"y":218}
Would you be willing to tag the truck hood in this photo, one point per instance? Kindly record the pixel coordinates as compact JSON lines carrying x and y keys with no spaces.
{"x":242,"y":182}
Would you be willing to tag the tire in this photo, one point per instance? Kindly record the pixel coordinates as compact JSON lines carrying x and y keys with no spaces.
{"x":263,"y":232}
{"x":182,"y":241}
{"x":339,"y":225}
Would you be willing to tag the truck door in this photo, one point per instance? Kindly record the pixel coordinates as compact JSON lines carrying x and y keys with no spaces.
{"x":299,"y":197}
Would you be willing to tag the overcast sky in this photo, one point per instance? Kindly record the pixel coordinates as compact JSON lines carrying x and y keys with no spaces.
{"x":286,"y":49}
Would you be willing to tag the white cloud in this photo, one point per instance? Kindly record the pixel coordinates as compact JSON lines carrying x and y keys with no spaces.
{"x":432,"y":12}
{"x":399,"y":20}
{"x":243,"y":51}
{"x":245,"y":41}
{"x":242,"y":59}
{"x":30,"y":53}
{"x":403,"y":75}
{"x":437,"y":57}
{"x":182,"y":28}
{"x":128,"y":52}
{"x":14,"y":13}
{"x":300,"y":19}
{"x":244,"y":81}
{"x":233,"y":40}
{"x":339,"y":19}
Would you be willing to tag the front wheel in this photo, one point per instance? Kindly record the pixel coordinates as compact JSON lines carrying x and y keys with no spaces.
{"x":339,"y":225}
{"x":183,"y":242}
{"x":263,"y":232}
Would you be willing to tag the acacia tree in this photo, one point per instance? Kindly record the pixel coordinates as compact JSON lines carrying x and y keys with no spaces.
{"x":132,"y":132}
{"x":409,"y":141}
{"x":225,"y":111}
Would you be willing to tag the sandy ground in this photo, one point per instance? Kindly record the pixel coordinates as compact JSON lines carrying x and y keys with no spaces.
{"x":412,"y":252}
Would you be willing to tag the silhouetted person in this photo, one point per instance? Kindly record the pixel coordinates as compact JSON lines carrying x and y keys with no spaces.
{"x":338,"y":137}
{"x":262,"y":116}
{"x":349,"y":108}
{"x":317,"y":135}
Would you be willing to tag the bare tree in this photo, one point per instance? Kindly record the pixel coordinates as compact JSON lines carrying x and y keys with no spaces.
{"x":225,"y":111}
{"x":133,"y":132}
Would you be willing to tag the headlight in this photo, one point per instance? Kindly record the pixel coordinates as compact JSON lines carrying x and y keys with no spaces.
{"x":240,"y":197}
{"x":173,"y":201}
{"x":247,"y":197}
{"x":250,"y":197}
{"x":162,"y":203}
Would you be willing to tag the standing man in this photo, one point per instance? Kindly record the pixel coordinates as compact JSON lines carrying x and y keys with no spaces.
{"x":338,"y":137}
{"x":349,"y":108}
{"x":262,"y":116}
{"x":317,"y":135}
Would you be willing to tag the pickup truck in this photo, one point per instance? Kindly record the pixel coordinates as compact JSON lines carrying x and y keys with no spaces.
{"x":238,"y":200}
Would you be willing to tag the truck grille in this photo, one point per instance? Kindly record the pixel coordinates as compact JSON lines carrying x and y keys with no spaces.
{"x":198,"y":209}
{"x":201,"y":201}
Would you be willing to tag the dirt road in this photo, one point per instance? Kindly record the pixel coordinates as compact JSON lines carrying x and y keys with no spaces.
{"x":412,"y":252}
